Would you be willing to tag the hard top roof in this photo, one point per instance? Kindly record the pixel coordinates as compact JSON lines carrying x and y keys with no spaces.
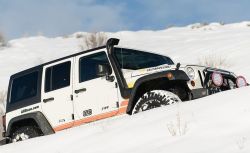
{"x":39,"y":67}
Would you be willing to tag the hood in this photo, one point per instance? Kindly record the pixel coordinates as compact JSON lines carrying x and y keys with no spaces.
{"x":132,"y":75}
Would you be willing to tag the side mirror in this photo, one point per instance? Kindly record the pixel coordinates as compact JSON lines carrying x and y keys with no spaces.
{"x":103,"y":70}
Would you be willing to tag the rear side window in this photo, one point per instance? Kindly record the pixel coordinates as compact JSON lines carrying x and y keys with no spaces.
{"x":24,"y":87}
{"x":57,"y":77}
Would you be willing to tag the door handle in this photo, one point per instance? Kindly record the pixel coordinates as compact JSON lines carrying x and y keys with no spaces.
{"x":48,"y":99}
{"x":80,"y":90}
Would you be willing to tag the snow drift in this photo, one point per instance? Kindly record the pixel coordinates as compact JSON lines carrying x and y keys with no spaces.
{"x":218,"y":124}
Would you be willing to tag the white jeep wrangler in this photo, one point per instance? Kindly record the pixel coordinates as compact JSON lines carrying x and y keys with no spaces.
{"x":89,"y":86}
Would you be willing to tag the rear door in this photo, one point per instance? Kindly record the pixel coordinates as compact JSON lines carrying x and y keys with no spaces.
{"x":94,"y":97}
{"x":57,"y":101}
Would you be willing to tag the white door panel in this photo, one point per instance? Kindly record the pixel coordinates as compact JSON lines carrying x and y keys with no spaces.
{"x":98,"y":95}
{"x":57,"y":104}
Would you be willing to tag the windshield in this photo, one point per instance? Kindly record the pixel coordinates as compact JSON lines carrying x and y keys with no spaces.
{"x":134,"y":60}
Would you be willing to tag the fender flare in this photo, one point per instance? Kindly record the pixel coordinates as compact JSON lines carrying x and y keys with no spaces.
{"x":38,"y":117}
{"x":177,"y":75}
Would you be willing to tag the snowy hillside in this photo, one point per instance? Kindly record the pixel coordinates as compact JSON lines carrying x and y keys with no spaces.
{"x":215,"y":124}
{"x":218,"y":123}
{"x":183,"y":44}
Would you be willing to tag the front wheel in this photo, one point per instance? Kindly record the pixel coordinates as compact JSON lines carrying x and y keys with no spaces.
{"x":24,"y":133}
{"x":154,"y":99}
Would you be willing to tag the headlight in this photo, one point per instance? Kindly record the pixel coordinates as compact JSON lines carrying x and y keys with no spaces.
{"x":190,"y":72}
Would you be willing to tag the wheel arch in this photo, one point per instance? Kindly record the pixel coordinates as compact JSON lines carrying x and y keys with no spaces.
{"x":31,"y":118}
{"x":156,"y":81}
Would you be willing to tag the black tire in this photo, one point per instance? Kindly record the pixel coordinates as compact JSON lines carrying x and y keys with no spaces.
{"x":154,"y":99}
{"x":24,"y":133}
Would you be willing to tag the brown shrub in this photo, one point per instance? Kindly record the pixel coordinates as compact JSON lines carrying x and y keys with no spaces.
{"x":214,"y":61}
{"x":2,"y":40}
{"x":94,"y":40}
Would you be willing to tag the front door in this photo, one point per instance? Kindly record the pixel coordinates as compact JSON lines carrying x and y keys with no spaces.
{"x":57,"y":104}
{"x":94,"y":97}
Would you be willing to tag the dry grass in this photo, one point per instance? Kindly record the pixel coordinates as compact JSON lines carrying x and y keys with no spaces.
{"x":3,"y":96}
{"x":178,"y":127}
{"x":214,"y":61}
{"x":241,"y":143}
{"x":1,"y":127}
{"x":93,"y":40}
{"x":2,"y":40}
{"x":199,"y":25}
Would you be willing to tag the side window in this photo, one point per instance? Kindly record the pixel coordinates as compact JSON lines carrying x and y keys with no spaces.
{"x":88,"y":66}
{"x":57,"y":76}
{"x":24,"y":87}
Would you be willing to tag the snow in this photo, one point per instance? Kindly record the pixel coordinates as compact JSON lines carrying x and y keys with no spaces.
{"x":183,"y":44}
{"x":218,"y":123}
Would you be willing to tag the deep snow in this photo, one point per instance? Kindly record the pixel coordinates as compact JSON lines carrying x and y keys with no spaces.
{"x":218,"y":123}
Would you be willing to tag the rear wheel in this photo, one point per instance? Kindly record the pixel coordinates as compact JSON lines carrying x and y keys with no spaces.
{"x":154,"y":99}
{"x":24,"y":133}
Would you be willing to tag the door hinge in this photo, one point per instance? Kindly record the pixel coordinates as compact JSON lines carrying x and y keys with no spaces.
{"x":71,"y":97}
{"x":116,"y":86}
{"x":117,"y":104}
{"x":73,"y":117}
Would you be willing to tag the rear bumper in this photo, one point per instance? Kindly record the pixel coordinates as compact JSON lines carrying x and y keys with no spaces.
{"x":199,"y":93}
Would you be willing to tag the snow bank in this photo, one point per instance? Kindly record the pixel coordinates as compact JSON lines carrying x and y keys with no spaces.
{"x":218,"y":124}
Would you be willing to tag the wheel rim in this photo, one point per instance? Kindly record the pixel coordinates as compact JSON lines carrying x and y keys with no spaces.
{"x":149,"y":105}
{"x":154,"y":99}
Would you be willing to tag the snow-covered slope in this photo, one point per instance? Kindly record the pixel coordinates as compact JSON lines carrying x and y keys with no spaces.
{"x":183,"y":44}
{"x":215,"y":124}
{"x":218,"y":123}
